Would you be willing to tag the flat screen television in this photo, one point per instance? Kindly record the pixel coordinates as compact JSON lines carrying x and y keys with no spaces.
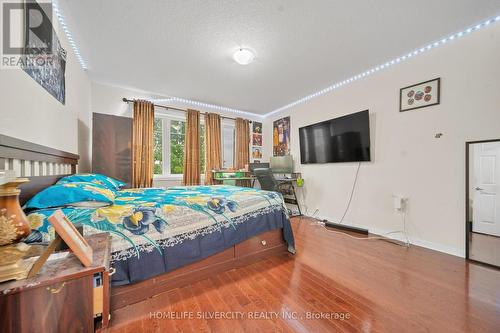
{"x":343,"y":139}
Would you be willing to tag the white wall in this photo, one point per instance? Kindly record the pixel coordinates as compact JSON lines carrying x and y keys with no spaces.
{"x":407,"y":159}
{"x":30,"y":113}
{"x":107,"y":99}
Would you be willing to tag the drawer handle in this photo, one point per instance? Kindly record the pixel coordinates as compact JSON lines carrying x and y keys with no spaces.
{"x":56,"y":290}
{"x":112,"y":271}
{"x":263,"y":242}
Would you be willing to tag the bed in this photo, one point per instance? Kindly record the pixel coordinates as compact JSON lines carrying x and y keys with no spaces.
{"x":161,"y":238}
{"x":157,"y":230}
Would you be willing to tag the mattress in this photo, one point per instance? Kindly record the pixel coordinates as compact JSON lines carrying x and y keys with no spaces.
{"x":158,"y":230}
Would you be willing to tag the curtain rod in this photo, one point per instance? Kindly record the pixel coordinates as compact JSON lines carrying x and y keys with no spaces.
{"x":173,"y":108}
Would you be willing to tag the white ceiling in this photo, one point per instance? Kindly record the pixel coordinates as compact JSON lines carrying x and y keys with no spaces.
{"x":184,"y":48}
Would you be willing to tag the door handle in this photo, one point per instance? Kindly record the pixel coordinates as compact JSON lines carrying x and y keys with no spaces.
{"x":479,"y":189}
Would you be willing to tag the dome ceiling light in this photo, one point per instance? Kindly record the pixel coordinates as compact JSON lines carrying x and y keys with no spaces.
{"x":244,"y":56}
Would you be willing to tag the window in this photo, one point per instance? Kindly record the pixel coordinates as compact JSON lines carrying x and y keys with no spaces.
{"x":177,"y":135}
{"x":227,"y":146}
{"x":158,"y":147}
{"x":169,"y":139}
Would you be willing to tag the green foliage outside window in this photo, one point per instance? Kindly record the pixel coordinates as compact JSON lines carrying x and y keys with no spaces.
{"x":158,"y":147}
{"x":177,"y":136}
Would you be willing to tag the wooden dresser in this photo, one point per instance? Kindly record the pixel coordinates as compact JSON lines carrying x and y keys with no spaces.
{"x":63,"y":297}
{"x":112,"y":146}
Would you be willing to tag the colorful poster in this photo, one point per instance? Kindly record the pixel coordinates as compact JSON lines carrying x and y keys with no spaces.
{"x":257,"y":127}
{"x":257,"y":139}
{"x":281,"y":137}
{"x":256,"y":153}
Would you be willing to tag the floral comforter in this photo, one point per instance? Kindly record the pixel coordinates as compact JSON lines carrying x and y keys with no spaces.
{"x":156,"y":230}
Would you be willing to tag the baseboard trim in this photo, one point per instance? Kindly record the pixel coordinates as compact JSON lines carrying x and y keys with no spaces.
{"x":399,"y":237}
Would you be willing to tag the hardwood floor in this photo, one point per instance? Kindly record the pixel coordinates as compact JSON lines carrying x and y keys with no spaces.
{"x":484,"y":248}
{"x":333,"y":284}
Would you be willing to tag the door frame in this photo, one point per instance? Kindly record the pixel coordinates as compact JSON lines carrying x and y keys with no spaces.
{"x":468,"y":226}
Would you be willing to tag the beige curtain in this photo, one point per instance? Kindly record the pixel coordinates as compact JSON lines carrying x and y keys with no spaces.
{"x":242,"y":143}
{"x":213,"y":147}
{"x":192,"y":171}
{"x":142,"y":144}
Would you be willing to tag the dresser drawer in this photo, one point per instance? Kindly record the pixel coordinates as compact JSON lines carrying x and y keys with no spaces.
{"x":260,"y":242}
{"x":65,"y":306}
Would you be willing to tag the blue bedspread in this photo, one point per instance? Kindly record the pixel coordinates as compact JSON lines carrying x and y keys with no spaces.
{"x":155,"y":230}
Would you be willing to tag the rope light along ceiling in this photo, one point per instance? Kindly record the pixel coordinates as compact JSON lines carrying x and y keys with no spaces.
{"x":57,"y":11}
{"x":337,"y":85}
{"x":388,"y":64}
{"x":207,"y":105}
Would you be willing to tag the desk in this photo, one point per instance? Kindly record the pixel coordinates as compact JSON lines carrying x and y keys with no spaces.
{"x":248,"y":180}
{"x":245,"y":177}
{"x":291,"y":183}
{"x":290,"y":200}
{"x":284,"y":179}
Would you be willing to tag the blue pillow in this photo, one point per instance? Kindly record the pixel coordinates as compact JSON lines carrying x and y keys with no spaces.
{"x":71,"y":194}
{"x":95,"y":178}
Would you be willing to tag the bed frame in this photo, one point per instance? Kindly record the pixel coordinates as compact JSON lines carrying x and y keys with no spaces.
{"x":44,"y":166}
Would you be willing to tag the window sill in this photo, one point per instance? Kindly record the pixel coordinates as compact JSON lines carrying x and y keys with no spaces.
{"x":167,"y":177}
{"x":171,"y":177}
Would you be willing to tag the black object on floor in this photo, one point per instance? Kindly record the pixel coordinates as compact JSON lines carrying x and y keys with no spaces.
{"x":333,"y":225}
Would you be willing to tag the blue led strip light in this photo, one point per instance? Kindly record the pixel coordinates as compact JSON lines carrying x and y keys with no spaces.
{"x":206,"y":105}
{"x":69,"y":36}
{"x":388,"y":64}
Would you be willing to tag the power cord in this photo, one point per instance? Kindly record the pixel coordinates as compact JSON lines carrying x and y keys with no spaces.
{"x":405,"y":234}
{"x":321,"y":223}
{"x":352,"y":193}
{"x":406,"y":243}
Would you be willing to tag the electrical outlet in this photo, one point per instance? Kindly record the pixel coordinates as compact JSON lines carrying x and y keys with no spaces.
{"x":399,"y":203}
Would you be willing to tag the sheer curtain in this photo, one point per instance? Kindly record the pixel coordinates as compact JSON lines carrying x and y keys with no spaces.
{"x":213,"y":147}
{"x":191,"y":174}
{"x":142,"y":144}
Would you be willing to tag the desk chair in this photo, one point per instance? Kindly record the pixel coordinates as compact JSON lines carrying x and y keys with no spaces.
{"x":269,"y":183}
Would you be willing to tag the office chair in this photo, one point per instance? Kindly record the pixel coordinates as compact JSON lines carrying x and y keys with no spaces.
{"x":266,"y":179}
{"x":269,"y":183}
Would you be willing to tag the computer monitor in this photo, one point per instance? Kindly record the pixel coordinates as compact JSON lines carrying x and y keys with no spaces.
{"x":253,"y":166}
{"x":281,"y":164}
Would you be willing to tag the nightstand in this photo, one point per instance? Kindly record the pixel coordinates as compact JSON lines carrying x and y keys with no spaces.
{"x":64,"y":297}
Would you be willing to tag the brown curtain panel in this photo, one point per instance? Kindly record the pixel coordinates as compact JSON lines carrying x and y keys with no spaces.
{"x":192,"y":149}
{"x":142,"y":144}
{"x":213,"y":146}
{"x":242,"y":143}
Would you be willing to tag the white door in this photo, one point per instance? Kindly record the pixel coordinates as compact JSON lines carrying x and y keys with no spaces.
{"x":485,"y":188}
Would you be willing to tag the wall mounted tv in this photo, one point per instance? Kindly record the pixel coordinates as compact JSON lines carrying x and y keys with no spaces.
{"x":343,"y":139}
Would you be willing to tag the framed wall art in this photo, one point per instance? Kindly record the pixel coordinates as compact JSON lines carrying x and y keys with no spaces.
{"x":420,"y":95}
{"x":281,"y":137}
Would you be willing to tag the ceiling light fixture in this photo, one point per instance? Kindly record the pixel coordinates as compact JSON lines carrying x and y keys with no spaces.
{"x":389,"y":64}
{"x":244,"y":56}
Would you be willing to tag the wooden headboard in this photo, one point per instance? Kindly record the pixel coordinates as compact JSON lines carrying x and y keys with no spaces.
{"x":42,"y":165}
